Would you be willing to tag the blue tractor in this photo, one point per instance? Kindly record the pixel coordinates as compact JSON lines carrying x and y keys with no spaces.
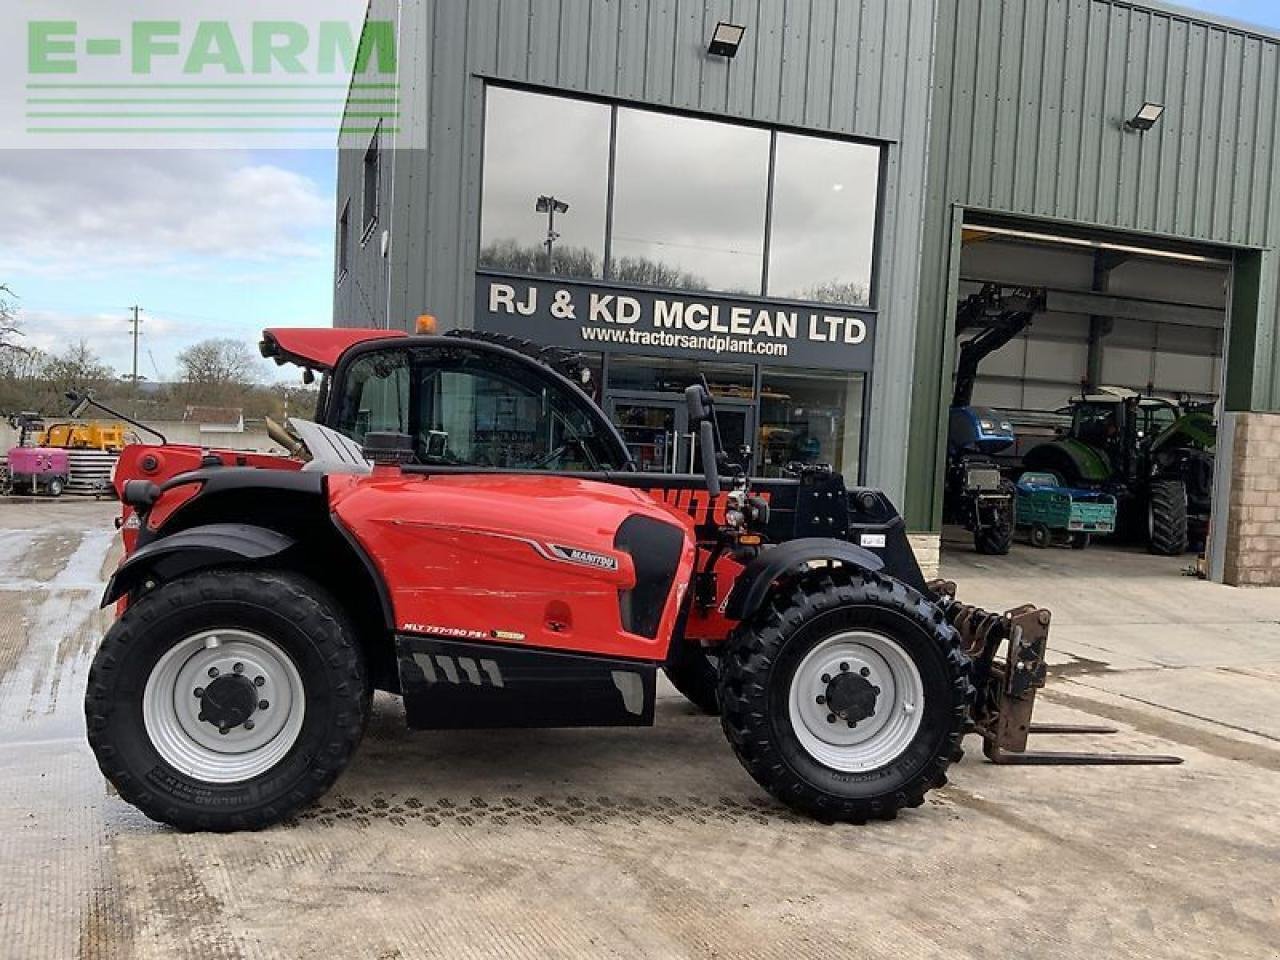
{"x":976,"y":494}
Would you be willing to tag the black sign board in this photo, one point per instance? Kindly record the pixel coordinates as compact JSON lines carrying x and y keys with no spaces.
{"x":587,"y":316}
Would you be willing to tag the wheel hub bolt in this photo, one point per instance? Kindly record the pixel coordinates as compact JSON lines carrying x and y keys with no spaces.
{"x":826,"y":678}
{"x":198,"y":692}
{"x":865,"y":672}
{"x":831,"y":718}
{"x":224,"y":730}
{"x":238,"y":668}
{"x":248,"y":724}
{"x":259,"y":681}
{"x":263,"y":704}
{"x":213,"y":671}
{"x":844,"y":668}
{"x":853,"y":723}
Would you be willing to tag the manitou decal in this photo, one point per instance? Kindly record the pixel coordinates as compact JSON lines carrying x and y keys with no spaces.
{"x":587,"y":558}
{"x":697,"y":503}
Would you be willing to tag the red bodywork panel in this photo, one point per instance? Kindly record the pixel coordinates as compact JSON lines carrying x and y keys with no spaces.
{"x":475,"y":557}
{"x":144,"y":461}
{"x":319,"y":347}
{"x":469,"y":556}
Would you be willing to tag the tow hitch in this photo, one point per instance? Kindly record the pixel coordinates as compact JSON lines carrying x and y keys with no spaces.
{"x":1008,"y":653}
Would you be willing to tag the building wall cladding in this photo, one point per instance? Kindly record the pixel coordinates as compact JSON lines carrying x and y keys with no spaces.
{"x":1029,"y":100}
{"x":850,"y":67}
{"x":360,"y":299}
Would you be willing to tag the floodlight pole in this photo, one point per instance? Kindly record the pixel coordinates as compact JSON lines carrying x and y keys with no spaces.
{"x":551,"y":206}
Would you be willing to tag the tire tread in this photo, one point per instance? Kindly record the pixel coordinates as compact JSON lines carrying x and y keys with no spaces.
{"x":300,"y":600}
{"x":755,"y":646}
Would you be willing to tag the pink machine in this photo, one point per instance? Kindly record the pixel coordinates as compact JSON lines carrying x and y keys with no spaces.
{"x":38,"y":470}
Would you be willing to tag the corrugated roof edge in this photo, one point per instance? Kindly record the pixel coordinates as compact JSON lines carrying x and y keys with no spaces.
{"x":1201,"y":17}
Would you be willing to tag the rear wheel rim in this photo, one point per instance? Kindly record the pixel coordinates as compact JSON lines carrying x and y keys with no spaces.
{"x":243,"y":665}
{"x":872,"y":740}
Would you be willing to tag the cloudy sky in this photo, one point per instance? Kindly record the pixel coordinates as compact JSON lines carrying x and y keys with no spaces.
{"x":209,"y":243}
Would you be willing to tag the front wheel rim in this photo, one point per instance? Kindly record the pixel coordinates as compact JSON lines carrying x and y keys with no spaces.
{"x":253,"y":726}
{"x":873,"y":732}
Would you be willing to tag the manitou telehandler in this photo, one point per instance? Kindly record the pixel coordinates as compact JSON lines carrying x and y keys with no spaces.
{"x":462,"y":527}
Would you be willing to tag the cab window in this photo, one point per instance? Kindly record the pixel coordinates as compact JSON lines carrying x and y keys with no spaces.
{"x":473,"y":409}
{"x":1157,"y":418}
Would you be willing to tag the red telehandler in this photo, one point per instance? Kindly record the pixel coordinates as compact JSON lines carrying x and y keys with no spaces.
{"x":461,"y":525}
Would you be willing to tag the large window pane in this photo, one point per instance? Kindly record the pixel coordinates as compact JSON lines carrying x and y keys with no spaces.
{"x":539,"y":146}
{"x":810,"y":417}
{"x":689,"y":201}
{"x":824,"y":216}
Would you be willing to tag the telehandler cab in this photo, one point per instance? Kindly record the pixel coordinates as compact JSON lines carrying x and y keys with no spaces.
{"x":462,"y":527}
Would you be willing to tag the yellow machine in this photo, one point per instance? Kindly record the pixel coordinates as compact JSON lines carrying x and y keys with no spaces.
{"x":84,"y":436}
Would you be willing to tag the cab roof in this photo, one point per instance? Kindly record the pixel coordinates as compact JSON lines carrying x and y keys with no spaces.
{"x":317,"y":348}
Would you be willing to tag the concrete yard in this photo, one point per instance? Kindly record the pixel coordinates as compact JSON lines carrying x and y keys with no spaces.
{"x":654,"y":843}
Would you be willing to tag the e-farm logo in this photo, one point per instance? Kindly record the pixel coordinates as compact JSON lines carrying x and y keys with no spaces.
{"x":244,"y":79}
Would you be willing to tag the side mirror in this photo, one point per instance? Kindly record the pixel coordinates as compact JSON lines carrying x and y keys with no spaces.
{"x":702,"y":413}
{"x":698,"y":400}
{"x":710,"y":457}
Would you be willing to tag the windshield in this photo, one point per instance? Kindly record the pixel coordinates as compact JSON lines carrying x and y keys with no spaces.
{"x":463,"y":407}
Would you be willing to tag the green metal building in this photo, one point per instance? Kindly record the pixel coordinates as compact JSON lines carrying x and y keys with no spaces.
{"x":795,"y":213}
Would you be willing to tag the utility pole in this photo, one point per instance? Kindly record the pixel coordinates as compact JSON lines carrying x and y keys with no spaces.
{"x":136,"y":321}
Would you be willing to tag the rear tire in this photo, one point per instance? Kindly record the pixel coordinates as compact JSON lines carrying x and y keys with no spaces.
{"x":289,"y":642}
{"x":1079,"y":541}
{"x":55,"y":487}
{"x":1041,"y":536}
{"x":829,"y":769}
{"x":996,"y":540}
{"x":695,"y":672}
{"x":1167,"y":518}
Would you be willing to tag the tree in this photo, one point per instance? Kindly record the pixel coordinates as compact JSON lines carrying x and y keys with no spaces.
{"x":39,"y":382}
{"x":654,"y":273}
{"x":847,"y":292}
{"x":10,"y":325}
{"x":216,"y":370}
{"x":77,"y":368}
{"x":507,"y":254}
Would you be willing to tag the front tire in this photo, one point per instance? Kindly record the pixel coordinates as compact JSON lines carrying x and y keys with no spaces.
{"x":227,"y":699}
{"x":849,"y":744}
{"x":1167,"y":518}
{"x":997,"y":539}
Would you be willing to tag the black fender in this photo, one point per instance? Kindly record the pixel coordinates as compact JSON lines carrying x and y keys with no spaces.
{"x":752,"y":586}
{"x":196,"y":548}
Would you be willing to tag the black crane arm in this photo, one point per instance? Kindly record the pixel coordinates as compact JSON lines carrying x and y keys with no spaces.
{"x":1004,"y":317}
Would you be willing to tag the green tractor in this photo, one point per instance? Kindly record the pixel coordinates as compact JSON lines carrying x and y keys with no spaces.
{"x":1154,"y":455}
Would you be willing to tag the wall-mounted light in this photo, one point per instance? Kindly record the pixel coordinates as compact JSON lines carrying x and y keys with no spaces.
{"x":725,"y":39}
{"x":1146,"y":118}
